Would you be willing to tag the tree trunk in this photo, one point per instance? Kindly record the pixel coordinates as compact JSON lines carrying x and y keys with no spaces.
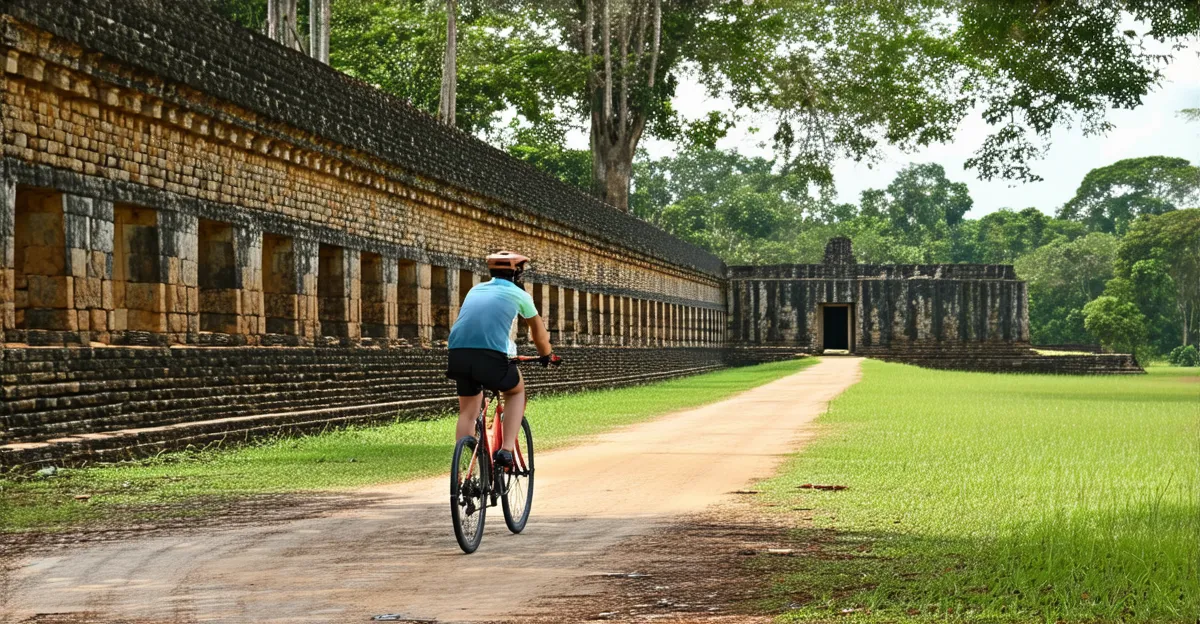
{"x":617,"y":127}
{"x":615,"y":170}
{"x":449,"y":96}
{"x":318,"y":29}
{"x":281,"y":22}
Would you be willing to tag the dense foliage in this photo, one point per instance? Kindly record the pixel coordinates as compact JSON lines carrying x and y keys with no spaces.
{"x":834,"y":80}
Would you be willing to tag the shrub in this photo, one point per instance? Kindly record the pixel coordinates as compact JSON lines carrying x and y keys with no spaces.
{"x":1184,"y":356}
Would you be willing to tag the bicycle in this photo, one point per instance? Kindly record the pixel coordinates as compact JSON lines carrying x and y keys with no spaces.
{"x":474,"y":481}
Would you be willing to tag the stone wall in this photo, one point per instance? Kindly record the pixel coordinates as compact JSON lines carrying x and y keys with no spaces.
{"x":231,"y":149}
{"x":198,"y":225}
{"x":73,"y":405}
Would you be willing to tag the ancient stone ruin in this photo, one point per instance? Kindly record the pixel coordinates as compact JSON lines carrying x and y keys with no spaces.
{"x":205,"y":236}
{"x":960,"y":316}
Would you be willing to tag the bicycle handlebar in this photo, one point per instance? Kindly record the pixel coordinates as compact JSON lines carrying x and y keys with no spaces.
{"x":531,"y":359}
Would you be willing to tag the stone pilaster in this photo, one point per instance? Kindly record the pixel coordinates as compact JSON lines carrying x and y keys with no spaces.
{"x":618,"y":319}
{"x":8,"y":309}
{"x":88,"y":227}
{"x":307,"y":255}
{"x":570,"y":317}
{"x":353,"y":290}
{"x":583,"y":319}
{"x":179,"y":272}
{"x":247,"y":249}
{"x":452,"y":301}
{"x":554,"y":313}
{"x":424,"y":282}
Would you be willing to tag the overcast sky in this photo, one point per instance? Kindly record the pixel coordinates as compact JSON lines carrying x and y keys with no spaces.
{"x":1153,"y":129}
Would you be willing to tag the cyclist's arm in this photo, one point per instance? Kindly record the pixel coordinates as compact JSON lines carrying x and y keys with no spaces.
{"x":541,"y":337}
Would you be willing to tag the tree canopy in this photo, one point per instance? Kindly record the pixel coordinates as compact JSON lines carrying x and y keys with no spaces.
{"x":1111,"y":197}
{"x":836,"y":80}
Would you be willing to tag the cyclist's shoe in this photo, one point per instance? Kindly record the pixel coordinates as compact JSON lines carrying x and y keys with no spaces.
{"x":503,"y":459}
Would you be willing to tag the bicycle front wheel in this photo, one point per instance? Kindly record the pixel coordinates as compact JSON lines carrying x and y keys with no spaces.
{"x":468,"y":504}
{"x":518,"y":482}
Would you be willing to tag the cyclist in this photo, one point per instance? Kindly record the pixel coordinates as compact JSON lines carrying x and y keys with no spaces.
{"x":481,"y":351}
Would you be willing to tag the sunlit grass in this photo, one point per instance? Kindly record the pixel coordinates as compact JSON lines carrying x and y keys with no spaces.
{"x":343,"y":458}
{"x":1000,"y":498}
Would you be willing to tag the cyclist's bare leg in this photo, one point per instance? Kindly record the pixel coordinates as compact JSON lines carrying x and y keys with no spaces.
{"x":468,"y":409}
{"x":514,"y":411}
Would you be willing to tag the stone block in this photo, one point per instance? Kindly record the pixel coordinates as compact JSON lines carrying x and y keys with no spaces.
{"x":88,"y":293}
{"x":223,"y":301}
{"x":99,"y":264}
{"x":44,"y":229}
{"x":143,"y":320}
{"x":78,"y":262}
{"x":52,"y":319}
{"x":41,"y":260}
{"x":119,"y":320}
{"x":99,"y":320}
{"x":144,"y":296}
{"x":46,"y":291}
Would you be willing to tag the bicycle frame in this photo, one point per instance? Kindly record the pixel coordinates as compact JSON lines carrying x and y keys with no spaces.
{"x":493,"y":438}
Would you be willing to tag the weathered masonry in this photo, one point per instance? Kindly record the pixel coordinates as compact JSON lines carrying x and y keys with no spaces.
{"x":204,"y":234}
{"x":972,"y":317}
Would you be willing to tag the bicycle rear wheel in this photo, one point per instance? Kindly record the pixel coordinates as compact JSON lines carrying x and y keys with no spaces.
{"x":468,"y":506}
{"x":518,"y":482}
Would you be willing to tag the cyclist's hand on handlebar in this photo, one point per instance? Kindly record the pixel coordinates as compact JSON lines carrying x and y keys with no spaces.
{"x":547,"y":360}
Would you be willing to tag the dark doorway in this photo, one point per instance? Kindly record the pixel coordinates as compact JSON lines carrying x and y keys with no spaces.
{"x":837,"y":328}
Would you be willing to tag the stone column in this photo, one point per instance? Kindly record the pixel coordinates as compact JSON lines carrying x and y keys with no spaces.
{"x":390,"y":272}
{"x":618,"y":319}
{"x":89,"y":239}
{"x":252,"y":321}
{"x":178,"y":257}
{"x":571,"y":316}
{"x":676,"y":326}
{"x":453,"y":279}
{"x":553,"y":298}
{"x":637,"y":322}
{"x":307,"y":254}
{"x":583,"y":317}
{"x":424,"y":277}
{"x":353,"y":277}
{"x":8,"y":308}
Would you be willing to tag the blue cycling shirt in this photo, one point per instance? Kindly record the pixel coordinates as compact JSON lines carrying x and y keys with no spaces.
{"x":487,"y":313}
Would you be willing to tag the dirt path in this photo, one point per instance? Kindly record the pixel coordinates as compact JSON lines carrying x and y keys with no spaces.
{"x":397,"y":554}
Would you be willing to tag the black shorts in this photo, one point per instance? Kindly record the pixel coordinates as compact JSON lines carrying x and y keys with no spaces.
{"x":476,"y":369}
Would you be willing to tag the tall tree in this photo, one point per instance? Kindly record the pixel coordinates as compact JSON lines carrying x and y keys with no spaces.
{"x":447,"y":102}
{"x":318,"y":29}
{"x":282,"y":23}
{"x":1173,"y":240}
{"x":1111,"y":197}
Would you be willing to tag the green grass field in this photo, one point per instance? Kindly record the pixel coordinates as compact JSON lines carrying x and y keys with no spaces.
{"x":1001,"y":498}
{"x":338,"y":459}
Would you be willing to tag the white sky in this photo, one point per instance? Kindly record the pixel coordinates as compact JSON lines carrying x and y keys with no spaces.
{"x":1153,"y":129}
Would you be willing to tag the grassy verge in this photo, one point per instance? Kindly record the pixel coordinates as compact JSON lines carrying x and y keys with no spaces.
{"x":999,"y":498}
{"x":339,"y":459}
